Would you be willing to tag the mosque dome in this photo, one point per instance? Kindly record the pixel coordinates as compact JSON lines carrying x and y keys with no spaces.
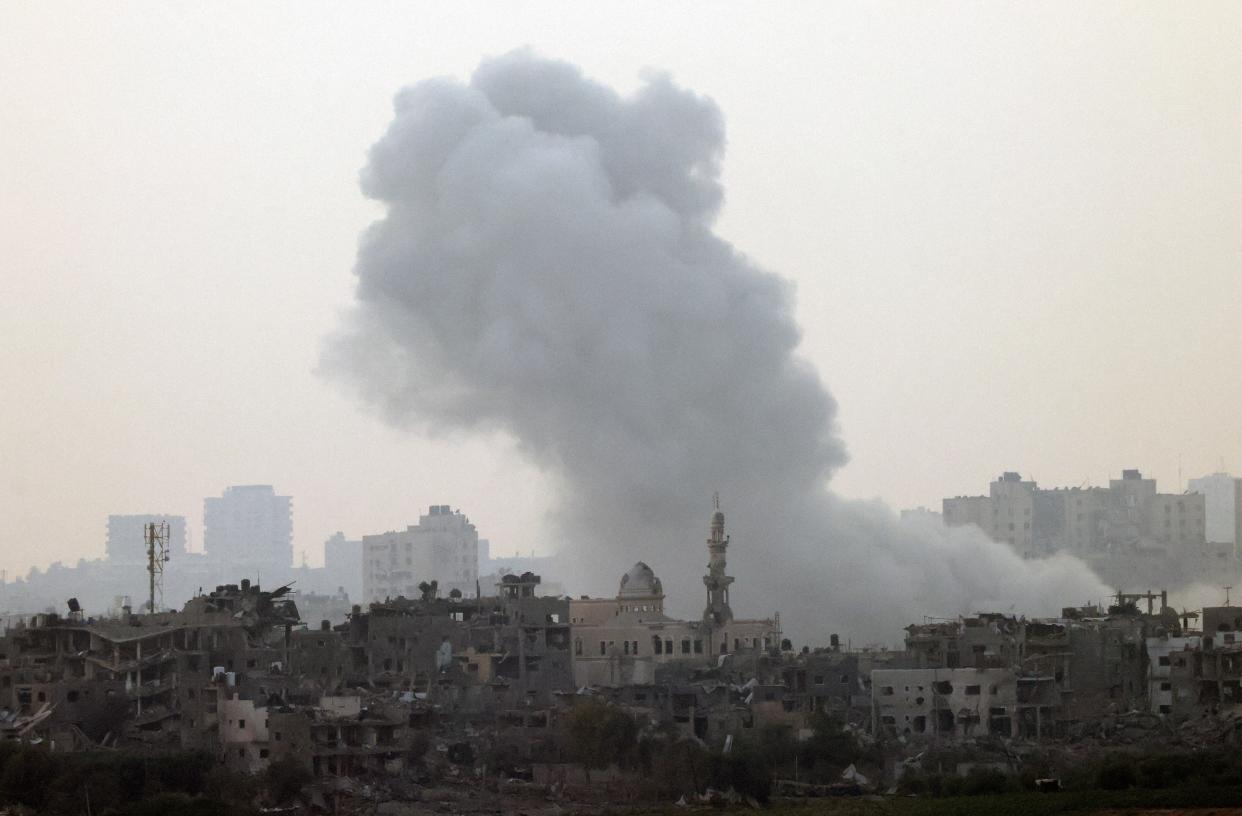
{"x":640,"y":582}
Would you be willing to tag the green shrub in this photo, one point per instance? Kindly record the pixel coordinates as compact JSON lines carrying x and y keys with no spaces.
{"x":1116,"y":774}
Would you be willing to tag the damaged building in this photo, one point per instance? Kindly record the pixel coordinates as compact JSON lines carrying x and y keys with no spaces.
{"x":144,"y":678}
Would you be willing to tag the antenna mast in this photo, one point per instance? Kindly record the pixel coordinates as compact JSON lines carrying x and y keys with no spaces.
{"x":156,"y":535}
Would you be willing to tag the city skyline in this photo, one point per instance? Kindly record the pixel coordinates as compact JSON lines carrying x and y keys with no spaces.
{"x":198,"y":371}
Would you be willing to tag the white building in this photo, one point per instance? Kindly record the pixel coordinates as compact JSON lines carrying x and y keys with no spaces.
{"x":249,"y":529}
{"x":443,"y":547}
{"x":126,"y":543}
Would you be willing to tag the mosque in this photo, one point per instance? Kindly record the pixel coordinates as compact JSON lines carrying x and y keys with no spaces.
{"x":624,"y":640}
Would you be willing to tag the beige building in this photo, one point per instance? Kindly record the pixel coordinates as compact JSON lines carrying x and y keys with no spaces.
{"x":624,"y":640}
{"x":1007,"y":514}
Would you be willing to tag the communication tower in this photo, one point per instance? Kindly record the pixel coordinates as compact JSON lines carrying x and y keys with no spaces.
{"x":156,"y":535}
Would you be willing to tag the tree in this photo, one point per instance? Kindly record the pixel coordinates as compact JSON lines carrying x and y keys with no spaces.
{"x":285,"y":778}
{"x":601,"y":734}
{"x":831,"y":748}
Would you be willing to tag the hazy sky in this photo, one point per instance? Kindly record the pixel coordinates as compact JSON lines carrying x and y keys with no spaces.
{"x":1016,"y":234}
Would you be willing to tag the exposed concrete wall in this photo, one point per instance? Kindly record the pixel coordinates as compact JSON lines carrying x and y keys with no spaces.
{"x":929,"y":703}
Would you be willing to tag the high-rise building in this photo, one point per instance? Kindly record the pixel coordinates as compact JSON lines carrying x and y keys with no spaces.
{"x":443,"y":547}
{"x":342,"y":560}
{"x":1220,"y":493}
{"x":126,"y":543}
{"x":249,"y":528}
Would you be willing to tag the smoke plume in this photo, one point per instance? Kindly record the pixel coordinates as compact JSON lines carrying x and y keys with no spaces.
{"x":547,"y":268}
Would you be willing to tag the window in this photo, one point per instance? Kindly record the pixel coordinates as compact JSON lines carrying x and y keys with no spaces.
{"x":972,"y":691}
{"x":1166,"y":686}
{"x":262,"y":753}
{"x":241,"y":723}
{"x":603,"y":648}
{"x":627,"y":647}
{"x":698,"y":647}
{"x":657,"y":645}
{"x":887,"y":691}
{"x":819,"y":679}
{"x":685,"y":646}
{"x":1164,"y":660}
{"x":668,"y":646}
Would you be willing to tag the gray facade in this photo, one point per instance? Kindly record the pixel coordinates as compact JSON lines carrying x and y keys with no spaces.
{"x":249,"y":529}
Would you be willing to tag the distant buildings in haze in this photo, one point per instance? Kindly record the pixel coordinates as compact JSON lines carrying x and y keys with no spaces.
{"x":250,"y":529}
{"x":1223,"y":496}
{"x":126,"y":541}
{"x":1127,"y":516}
{"x":342,"y":560}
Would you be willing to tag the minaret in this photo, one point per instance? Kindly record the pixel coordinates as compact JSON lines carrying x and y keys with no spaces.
{"x":715,"y":580}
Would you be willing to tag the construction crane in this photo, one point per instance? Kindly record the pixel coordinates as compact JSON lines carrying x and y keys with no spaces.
{"x":156,"y":539}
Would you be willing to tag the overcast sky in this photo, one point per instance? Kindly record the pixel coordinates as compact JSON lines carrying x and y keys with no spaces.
{"x":1015,"y":230}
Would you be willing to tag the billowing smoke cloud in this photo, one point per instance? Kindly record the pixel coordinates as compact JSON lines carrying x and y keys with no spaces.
{"x":547,"y":268}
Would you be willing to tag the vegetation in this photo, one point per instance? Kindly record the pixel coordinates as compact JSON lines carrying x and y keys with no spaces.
{"x":119,"y":784}
{"x":1025,"y":803}
{"x":601,"y":734}
{"x":285,"y":778}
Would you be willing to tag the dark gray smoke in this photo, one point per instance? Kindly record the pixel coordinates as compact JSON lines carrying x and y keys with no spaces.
{"x":547,"y":268}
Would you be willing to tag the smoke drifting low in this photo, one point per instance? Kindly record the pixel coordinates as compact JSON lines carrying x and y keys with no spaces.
{"x":547,"y":268}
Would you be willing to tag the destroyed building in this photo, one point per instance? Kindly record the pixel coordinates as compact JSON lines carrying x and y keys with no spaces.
{"x":147,"y":678}
{"x":1050,"y":676}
